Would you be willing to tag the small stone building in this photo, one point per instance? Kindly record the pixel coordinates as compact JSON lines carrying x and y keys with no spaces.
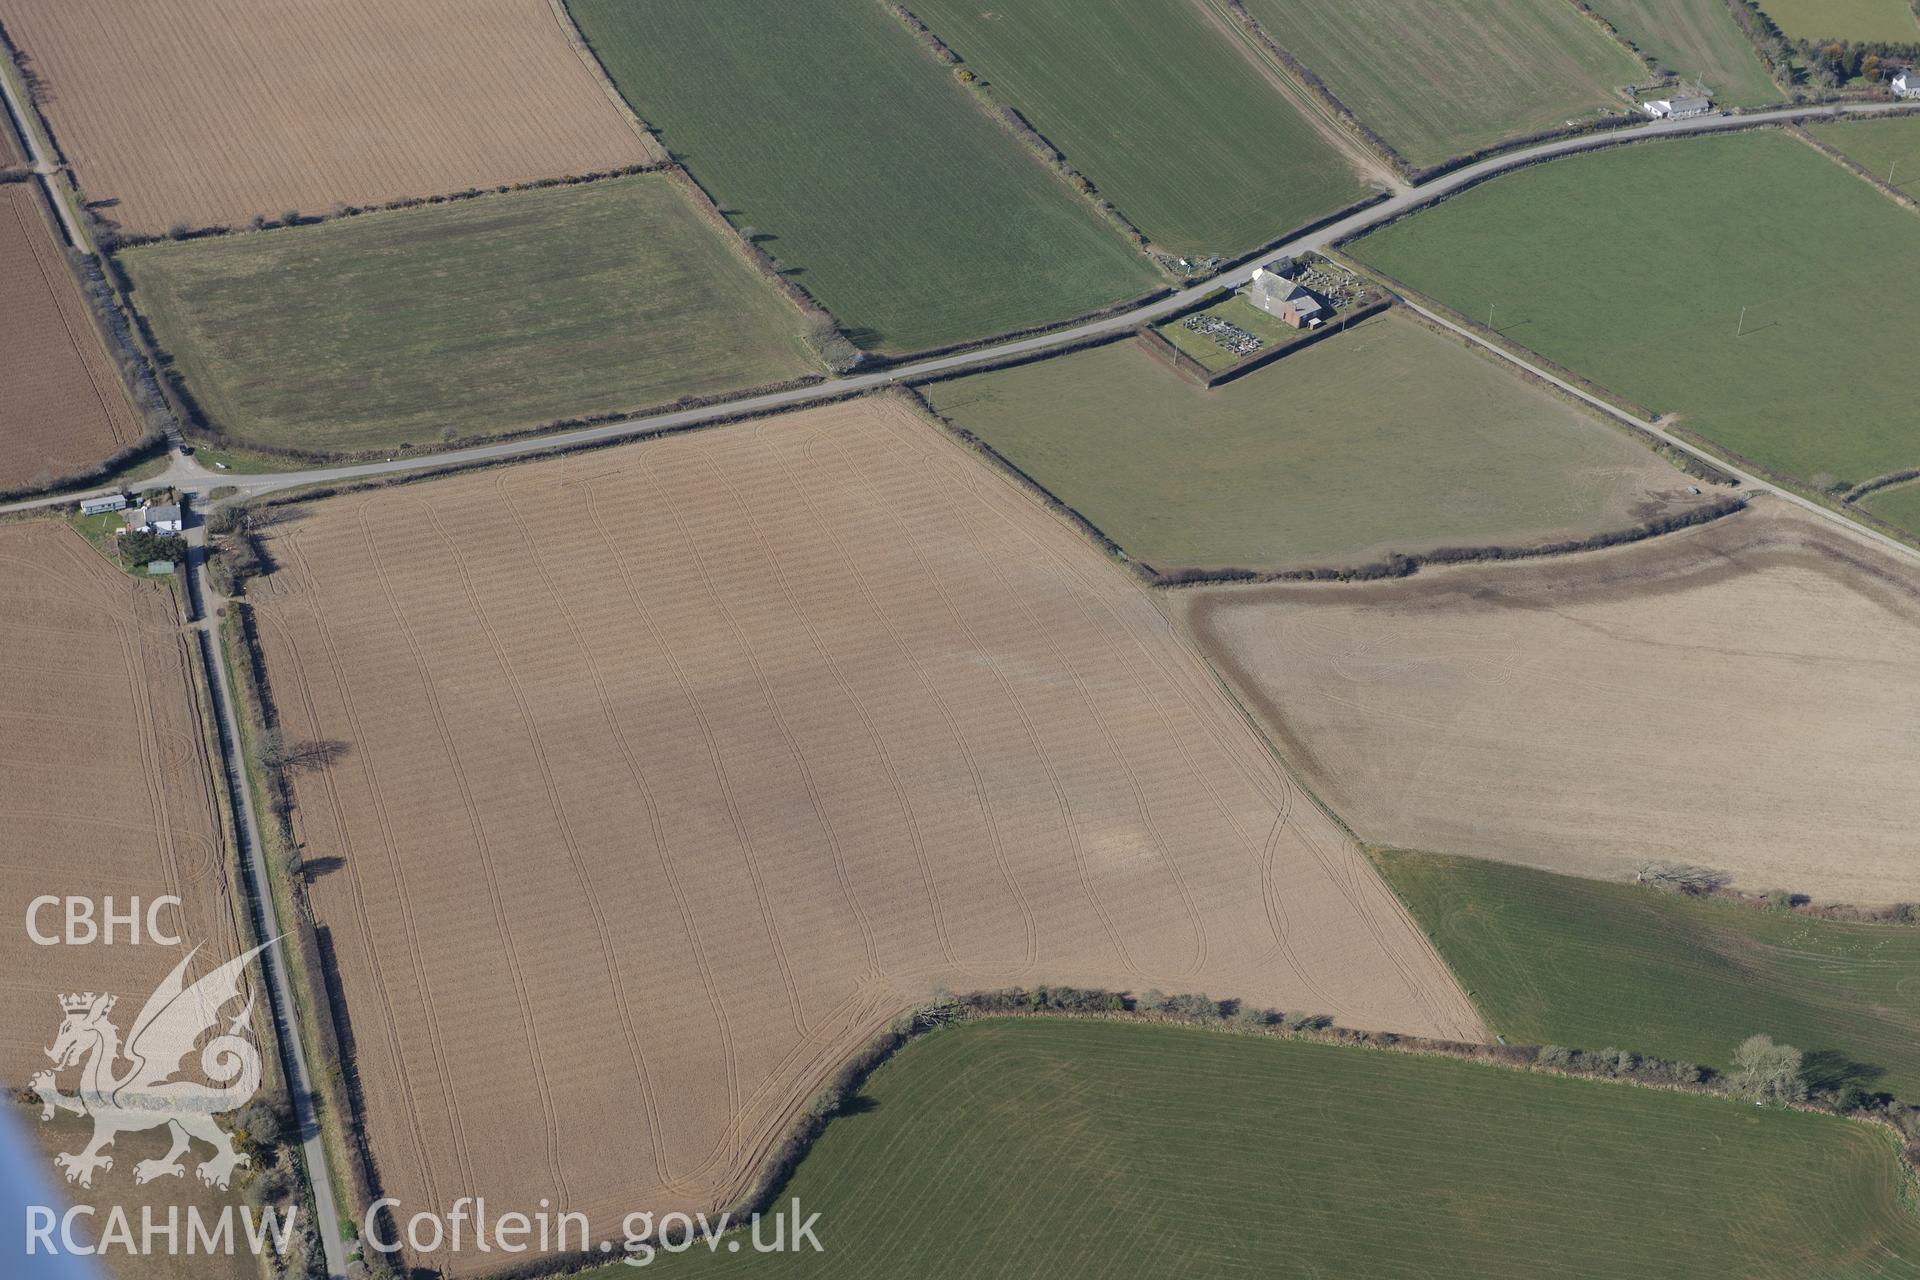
{"x":1293,"y":303}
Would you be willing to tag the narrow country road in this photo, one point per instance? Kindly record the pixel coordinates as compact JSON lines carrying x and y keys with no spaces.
{"x":186,"y":473}
{"x":203,"y":606}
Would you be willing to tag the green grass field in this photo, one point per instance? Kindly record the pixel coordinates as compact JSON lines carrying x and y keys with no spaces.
{"x":1632,"y":265}
{"x":1888,"y":146}
{"x":1054,"y":1148}
{"x":1898,"y":504}
{"x":1437,"y":78}
{"x":1560,"y":960}
{"x":1867,"y":20}
{"x":1235,"y":311}
{"x":1161,"y":110}
{"x":469,"y":318}
{"x":1388,"y":437}
{"x":1698,"y":40}
{"x":886,"y":191}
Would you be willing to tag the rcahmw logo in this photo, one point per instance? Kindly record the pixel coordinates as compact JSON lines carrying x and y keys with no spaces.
{"x":142,"y":1083}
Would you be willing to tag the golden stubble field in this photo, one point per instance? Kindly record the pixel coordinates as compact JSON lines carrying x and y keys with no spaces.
{"x":207,"y":113}
{"x":105,"y":789}
{"x":63,"y":407}
{"x":672,"y":772}
{"x":1745,"y":695}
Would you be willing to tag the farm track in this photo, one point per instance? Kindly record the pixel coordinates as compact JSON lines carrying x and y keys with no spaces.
{"x":1029,"y":772}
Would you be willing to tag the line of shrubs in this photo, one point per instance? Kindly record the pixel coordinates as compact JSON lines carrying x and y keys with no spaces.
{"x":1010,"y":118}
{"x":109,"y":236}
{"x":1399,"y":565}
{"x":1706,"y":882}
{"x":1318,"y":88}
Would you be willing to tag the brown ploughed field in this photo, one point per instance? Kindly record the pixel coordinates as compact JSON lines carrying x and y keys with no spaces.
{"x":63,"y":408}
{"x":206,"y":113}
{"x":11,"y":150}
{"x":672,"y":772}
{"x":105,"y":789}
{"x":1743,"y":695}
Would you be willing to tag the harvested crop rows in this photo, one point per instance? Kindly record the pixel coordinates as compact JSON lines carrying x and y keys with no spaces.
{"x":1866,"y":20}
{"x":1164,"y":112}
{"x":864,"y":167}
{"x":1741,"y":695}
{"x":105,"y":784}
{"x":64,"y":408}
{"x":721,"y":749}
{"x":1696,"y":39}
{"x":1437,"y":78}
{"x":208,"y":113}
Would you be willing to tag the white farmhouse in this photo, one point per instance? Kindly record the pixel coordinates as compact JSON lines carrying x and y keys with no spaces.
{"x":152,"y":518}
{"x":1906,"y":84}
{"x":1677,"y":108}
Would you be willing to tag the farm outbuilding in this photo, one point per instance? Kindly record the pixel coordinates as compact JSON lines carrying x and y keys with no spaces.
{"x":100,"y":506}
{"x":1677,"y":108}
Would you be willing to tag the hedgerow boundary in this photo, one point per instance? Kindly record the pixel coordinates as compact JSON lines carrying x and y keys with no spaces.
{"x":1394,"y":565}
{"x":1203,"y":1015}
{"x":1030,"y":138}
{"x":318,"y":1007}
{"x":1853,"y":166}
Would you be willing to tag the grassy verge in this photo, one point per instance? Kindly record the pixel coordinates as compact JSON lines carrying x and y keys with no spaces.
{"x":468,"y":318}
{"x":1084,"y":1148}
{"x":331,"y":1108}
{"x":1558,"y":959}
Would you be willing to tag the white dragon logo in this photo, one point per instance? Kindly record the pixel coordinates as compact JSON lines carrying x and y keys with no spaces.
{"x":146,"y":1096}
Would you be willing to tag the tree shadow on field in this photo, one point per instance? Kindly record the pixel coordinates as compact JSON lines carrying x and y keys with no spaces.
{"x":1831,"y":1069}
{"x":314,"y":868}
{"x":858,"y":1105}
{"x":864,"y":338}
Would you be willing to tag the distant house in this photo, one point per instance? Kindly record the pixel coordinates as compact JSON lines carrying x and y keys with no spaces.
{"x":100,"y":506}
{"x":1677,"y":108}
{"x":1278,"y":296}
{"x":154,"y":519}
{"x":1906,"y":84}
